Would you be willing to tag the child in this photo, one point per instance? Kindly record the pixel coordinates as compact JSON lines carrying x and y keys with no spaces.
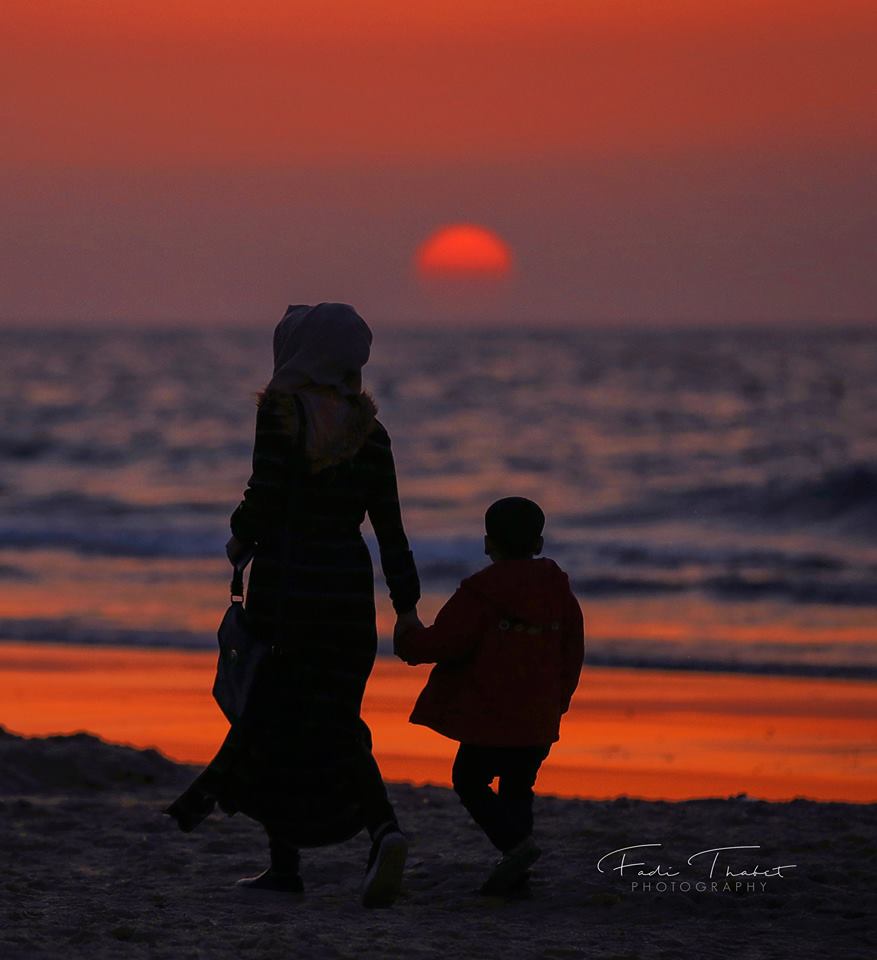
{"x":508,"y":648}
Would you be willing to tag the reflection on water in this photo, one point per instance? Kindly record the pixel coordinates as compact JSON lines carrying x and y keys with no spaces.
{"x":638,"y":732}
{"x":713,"y":495}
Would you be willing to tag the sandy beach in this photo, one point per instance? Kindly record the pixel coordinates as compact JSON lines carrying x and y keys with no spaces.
{"x":91,"y":868}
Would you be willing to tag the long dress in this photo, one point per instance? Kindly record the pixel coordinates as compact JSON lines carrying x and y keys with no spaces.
{"x":298,"y":760}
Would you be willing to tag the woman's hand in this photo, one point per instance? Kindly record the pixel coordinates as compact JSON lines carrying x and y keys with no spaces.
{"x":407,"y":621}
{"x":237,"y":551}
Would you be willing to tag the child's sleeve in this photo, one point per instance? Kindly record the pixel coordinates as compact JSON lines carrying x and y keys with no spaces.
{"x":574,"y":647}
{"x":456,"y":631}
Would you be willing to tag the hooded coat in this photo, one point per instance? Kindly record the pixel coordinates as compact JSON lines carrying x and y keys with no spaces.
{"x":508,"y":648}
{"x":294,"y":760}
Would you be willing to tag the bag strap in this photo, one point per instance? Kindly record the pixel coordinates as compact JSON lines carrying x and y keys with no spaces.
{"x":237,"y":579}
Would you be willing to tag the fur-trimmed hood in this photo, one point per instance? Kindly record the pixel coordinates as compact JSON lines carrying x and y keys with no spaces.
{"x":336,"y":426}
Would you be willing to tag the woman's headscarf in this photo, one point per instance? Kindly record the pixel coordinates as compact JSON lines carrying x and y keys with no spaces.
{"x":327,"y":344}
{"x":326,"y":347}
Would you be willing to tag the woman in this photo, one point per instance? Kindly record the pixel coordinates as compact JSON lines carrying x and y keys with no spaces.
{"x":300,"y":761}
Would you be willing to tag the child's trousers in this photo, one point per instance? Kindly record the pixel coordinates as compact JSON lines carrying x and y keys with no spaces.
{"x":506,"y":816}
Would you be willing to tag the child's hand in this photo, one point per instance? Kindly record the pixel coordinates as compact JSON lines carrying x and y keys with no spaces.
{"x":405,"y":623}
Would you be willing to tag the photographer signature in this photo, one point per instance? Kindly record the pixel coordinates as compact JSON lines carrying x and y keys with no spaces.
{"x":626,"y":862}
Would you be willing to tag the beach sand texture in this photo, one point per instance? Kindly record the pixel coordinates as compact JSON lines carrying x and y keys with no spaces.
{"x":92,"y":869}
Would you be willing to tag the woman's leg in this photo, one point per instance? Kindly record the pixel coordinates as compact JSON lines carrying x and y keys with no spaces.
{"x":284,"y":856}
{"x":282,"y":876}
{"x":389,"y":849}
{"x":376,"y":806}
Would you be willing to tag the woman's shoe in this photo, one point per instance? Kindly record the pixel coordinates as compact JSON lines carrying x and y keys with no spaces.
{"x":386,"y":863}
{"x":273,"y":882}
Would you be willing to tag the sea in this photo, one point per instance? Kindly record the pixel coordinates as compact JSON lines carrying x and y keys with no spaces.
{"x":712,"y":493}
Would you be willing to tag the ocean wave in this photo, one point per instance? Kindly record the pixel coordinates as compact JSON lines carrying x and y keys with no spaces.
{"x":25,"y":448}
{"x":718,"y":664}
{"x":735,"y":587}
{"x":780,"y":661}
{"x":9,"y":571}
{"x":112,"y":526}
{"x":678,"y":556}
{"x":121,"y":540}
{"x":621,"y":569}
{"x":804,"y":591}
{"x":162,"y":453}
{"x":74,"y":504}
{"x":844,"y":498}
{"x":846,"y":493}
{"x":609,"y":586}
{"x":80,"y":632}
{"x":597,"y":570}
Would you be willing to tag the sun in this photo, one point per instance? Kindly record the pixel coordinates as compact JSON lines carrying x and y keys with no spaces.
{"x":463,"y":250}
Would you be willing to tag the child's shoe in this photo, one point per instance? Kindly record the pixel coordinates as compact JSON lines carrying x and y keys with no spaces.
{"x":386,"y":862}
{"x":520,"y":889}
{"x":511,"y":869}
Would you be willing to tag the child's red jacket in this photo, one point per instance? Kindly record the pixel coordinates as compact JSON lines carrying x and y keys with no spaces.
{"x":508,"y":648}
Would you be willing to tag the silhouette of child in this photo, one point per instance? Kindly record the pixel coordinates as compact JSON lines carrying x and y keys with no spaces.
{"x":508,"y":648}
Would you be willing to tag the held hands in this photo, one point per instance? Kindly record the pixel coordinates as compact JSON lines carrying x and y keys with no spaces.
{"x":405,"y":623}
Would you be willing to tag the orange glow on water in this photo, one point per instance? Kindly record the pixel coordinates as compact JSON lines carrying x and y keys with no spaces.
{"x":466,"y":250}
{"x":654,"y":734}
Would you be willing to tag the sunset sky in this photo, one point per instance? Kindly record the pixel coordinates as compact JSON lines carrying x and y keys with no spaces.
{"x":664,"y":160}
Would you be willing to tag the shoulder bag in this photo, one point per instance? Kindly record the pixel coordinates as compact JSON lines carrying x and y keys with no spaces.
{"x":241,"y":651}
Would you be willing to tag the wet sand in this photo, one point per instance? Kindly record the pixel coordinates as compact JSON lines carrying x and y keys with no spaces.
{"x":642,"y":733}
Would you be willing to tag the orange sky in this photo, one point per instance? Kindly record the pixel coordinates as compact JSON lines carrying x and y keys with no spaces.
{"x":102,"y":82}
{"x":418,"y":98}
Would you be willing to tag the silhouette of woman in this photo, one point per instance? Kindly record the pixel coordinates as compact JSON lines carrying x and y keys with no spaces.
{"x":300,"y":761}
